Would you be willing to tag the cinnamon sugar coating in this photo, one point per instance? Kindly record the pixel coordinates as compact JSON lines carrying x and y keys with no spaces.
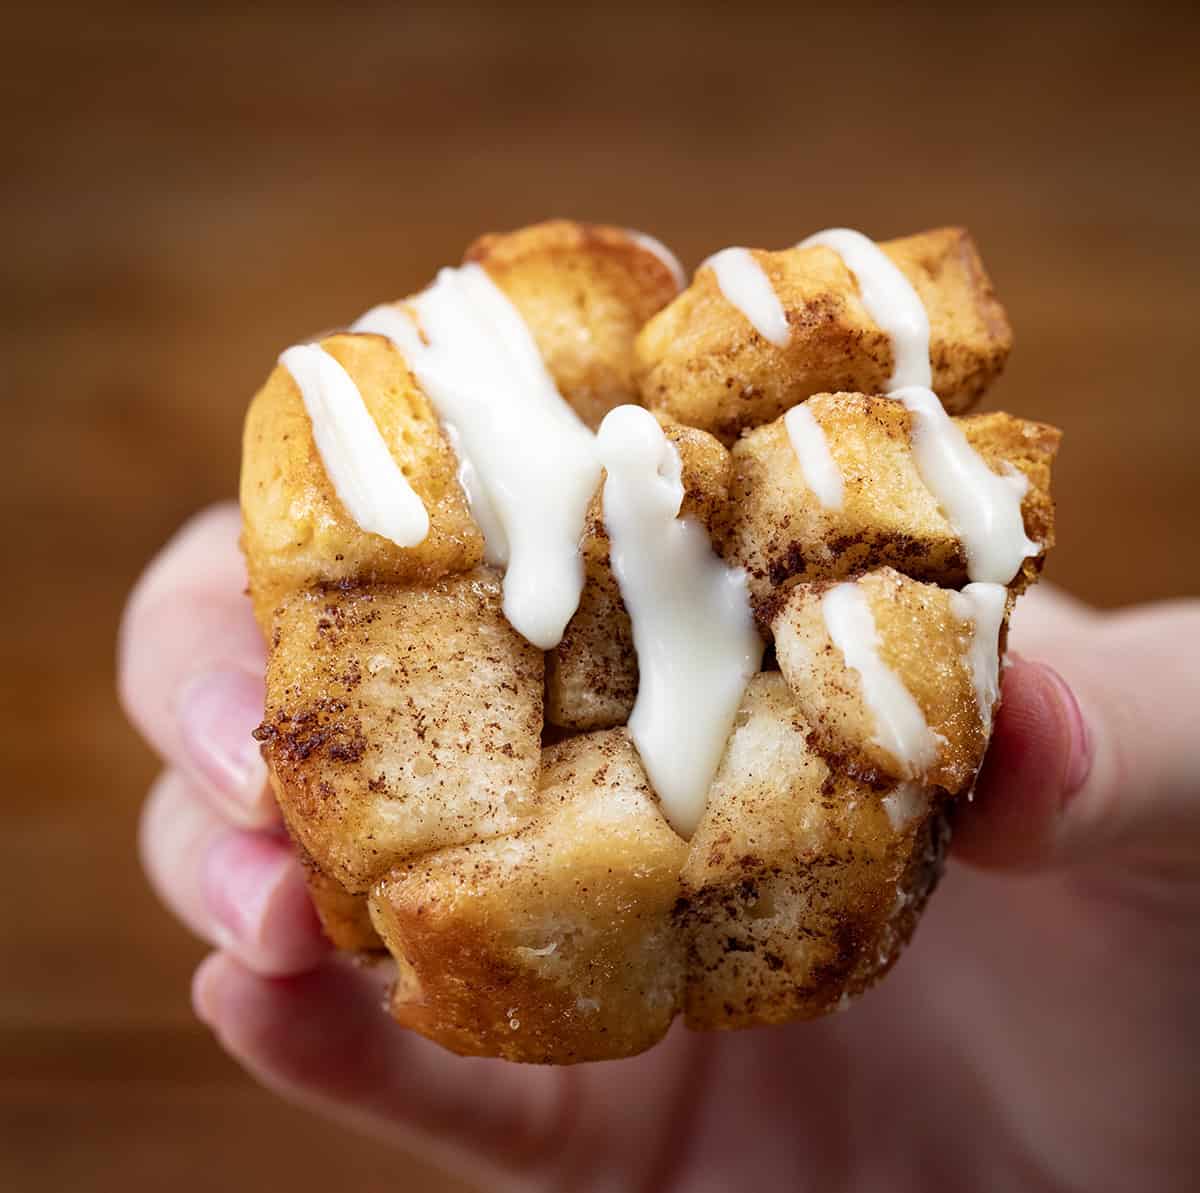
{"x":782,"y":533}
{"x":295,"y":530}
{"x":924,"y":642}
{"x":798,"y":889}
{"x":555,"y":942}
{"x":701,"y":362}
{"x":476,"y":808}
{"x":399,"y":720}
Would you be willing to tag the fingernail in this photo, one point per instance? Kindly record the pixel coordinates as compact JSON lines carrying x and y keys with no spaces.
{"x":217,"y":714}
{"x":243,"y":874}
{"x":1079,"y":752}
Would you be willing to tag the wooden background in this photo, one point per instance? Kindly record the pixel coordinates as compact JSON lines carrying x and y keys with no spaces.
{"x":188,"y":191}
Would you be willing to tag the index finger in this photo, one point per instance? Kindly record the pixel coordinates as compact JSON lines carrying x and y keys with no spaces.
{"x":190,"y":664}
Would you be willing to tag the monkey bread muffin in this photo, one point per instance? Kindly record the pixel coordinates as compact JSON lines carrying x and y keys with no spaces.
{"x":629,"y":639}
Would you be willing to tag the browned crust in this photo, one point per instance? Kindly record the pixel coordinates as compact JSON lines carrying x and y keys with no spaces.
{"x":924,"y":641}
{"x":779,"y":532}
{"x":752,"y":981}
{"x":584,"y":290}
{"x":345,"y":918}
{"x":701,"y":362}
{"x":562,"y":242}
{"x":796,"y":893}
{"x":555,"y":944}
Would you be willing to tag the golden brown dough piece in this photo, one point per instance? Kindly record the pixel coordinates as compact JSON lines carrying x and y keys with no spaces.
{"x":345,"y":918}
{"x":554,"y":944}
{"x":925,"y":642}
{"x":537,"y":903}
{"x":584,"y":290}
{"x":801,"y":885}
{"x":701,"y":361}
{"x":781,"y":533}
{"x":400,"y":720}
{"x":591,"y":676}
{"x":295,"y":530}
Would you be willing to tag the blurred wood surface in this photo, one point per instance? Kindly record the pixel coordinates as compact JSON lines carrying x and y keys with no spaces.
{"x":188,"y":190}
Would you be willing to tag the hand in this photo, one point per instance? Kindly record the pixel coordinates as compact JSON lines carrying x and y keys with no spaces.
{"x":1040,"y":1033}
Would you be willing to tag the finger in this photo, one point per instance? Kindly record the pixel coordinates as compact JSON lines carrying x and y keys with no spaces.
{"x":1098,"y":756}
{"x":243,"y":891}
{"x":190,"y":665}
{"x":322,"y":1039}
{"x":1038,"y":757}
{"x":1046,"y":617}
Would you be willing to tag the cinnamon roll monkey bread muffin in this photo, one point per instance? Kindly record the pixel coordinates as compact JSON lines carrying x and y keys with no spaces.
{"x":630,"y":637}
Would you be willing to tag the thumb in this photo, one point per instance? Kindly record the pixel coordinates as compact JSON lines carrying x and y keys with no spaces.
{"x":1096,"y":750}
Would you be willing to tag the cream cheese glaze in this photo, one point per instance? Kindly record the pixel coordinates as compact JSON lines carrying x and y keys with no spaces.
{"x":365,"y":476}
{"x":692,"y":627}
{"x":889,"y":299}
{"x":529,"y":467}
{"x":744,"y":284}
{"x":900,"y":725}
{"x":982,"y":607}
{"x":495,"y":541}
{"x":527,"y":452}
{"x":821,"y":473}
{"x":983,"y":506}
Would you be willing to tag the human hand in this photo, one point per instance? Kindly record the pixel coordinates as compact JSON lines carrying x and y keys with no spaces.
{"x":1039,"y":1034}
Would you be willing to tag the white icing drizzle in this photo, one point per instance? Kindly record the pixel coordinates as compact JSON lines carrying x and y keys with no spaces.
{"x":664,"y":254}
{"x":983,"y":506}
{"x":692,"y":627}
{"x":901,"y":728}
{"x":365,"y":476}
{"x":889,"y":299}
{"x":495,"y":541}
{"x":748,"y":288}
{"x":528,"y":453}
{"x":821,"y":473}
{"x":905,"y":803}
{"x":982,"y":606}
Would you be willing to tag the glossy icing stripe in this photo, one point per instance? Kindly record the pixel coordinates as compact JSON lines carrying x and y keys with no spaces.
{"x":527,"y":452}
{"x":983,"y":506}
{"x":889,"y":299}
{"x":982,"y":607}
{"x":821,"y":473}
{"x":745,"y":286}
{"x":901,"y":728}
{"x":365,"y":476}
{"x":692,"y":627}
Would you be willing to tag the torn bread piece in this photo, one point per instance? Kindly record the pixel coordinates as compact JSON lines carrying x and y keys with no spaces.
{"x":783,"y":529}
{"x":345,"y":917}
{"x":297,"y":532}
{"x":592,"y":675}
{"x":554,"y":944}
{"x":897,"y":679}
{"x":703,"y":362}
{"x":802,"y":884}
{"x":584,"y":291}
{"x":400,"y":720}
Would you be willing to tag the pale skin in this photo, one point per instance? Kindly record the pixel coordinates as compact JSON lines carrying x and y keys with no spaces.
{"x":1040,"y":1033}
